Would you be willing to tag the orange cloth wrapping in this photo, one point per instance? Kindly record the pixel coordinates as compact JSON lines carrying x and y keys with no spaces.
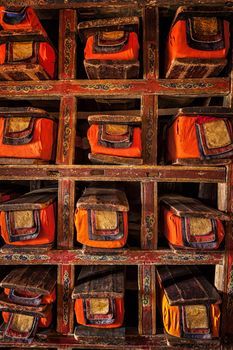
{"x":81,"y":223}
{"x":46,"y":299}
{"x":182,"y":140}
{"x":119,"y":311}
{"x":30,"y":22}
{"x":40,"y":147}
{"x":128,"y":53}
{"x":46,"y":57}
{"x":47,"y":228}
{"x":135,"y":150}
{"x":171,"y":318}
{"x":173,"y":228}
{"x":177,"y":46}
{"x":44,"y":322}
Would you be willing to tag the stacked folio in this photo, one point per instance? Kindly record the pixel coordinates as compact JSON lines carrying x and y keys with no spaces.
{"x":101,"y":218}
{"x":189,"y":304}
{"x":111,"y":48}
{"x":99,"y":301}
{"x":30,"y":220}
{"x":26,"y":52}
{"x":27,"y":136}
{"x":26,"y":302}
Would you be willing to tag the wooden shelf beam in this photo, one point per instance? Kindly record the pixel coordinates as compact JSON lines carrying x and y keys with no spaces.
{"x":127,"y":257}
{"x":109,"y":173}
{"x":55,"y":89}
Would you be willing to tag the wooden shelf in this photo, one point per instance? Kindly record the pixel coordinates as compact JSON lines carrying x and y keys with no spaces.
{"x":66,"y":92}
{"x":55,"y":89}
{"x":127,"y":257}
{"x":132,"y":341}
{"x":108,"y":173}
{"x":90,"y":3}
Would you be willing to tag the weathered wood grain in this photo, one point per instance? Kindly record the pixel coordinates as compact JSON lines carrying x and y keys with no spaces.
{"x":66,"y":204}
{"x":65,"y":305}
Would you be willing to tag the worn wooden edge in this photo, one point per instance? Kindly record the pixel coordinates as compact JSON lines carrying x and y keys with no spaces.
{"x":217,"y":111}
{"x":114,"y":119}
{"x":55,"y":4}
{"x":7,"y":248}
{"x":22,"y":161}
{"x":210,"y":174}
{"x":107,"y":159}
{"x":27,"y":68}
{"x":102,"y":335}
{"x":207,"y":211}
{"x":200,"y":162}
{"x":198,"y":343}
{"x":132,"y":341}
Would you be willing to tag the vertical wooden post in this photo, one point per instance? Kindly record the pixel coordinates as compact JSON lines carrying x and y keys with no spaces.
{"x":65,"y":309}
{"x":66,"y":199}
{"x":149,"y":110}
{"x":65,"y":155}
{"x":151,"y":42}
{"x":147,"y":300}
{"x":67,"y":131}
{"x":227,"y":307}
{"x":149,"y":217}
{"x":67,"y":44}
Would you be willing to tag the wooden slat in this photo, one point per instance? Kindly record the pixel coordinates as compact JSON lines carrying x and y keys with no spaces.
{"x":103,"y":199}
{"x":37,"y":199}
{"x":186,"y":206}
{"x":35,"y":279}
{"x":99,"y":281}
{"x":185,"y":285}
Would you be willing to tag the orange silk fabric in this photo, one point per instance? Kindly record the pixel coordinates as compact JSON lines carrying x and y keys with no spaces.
{"x":135,"y":150}
{"x":177,"y":46}
{"x":40,"y":147}
{"x":182,"y":139}
{"x":171,"y":318}
{"x":47,"y":228}
{"x":128,"y":53}
{"x":119,"y":309}
{"x":173,"y":228}
{"x":44,"y":322}
{"x":81,"y":223}
{"x":46,"y":299}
